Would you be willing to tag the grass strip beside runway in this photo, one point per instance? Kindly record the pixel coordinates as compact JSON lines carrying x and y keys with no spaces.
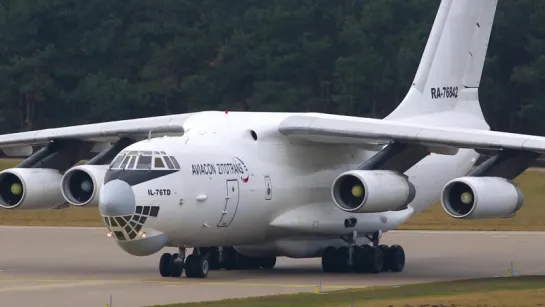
{"x":530,"y":217}
{"x":506,"y":291}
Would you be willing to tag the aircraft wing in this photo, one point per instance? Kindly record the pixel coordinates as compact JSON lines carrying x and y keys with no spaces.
{"x":352,"y":130}
{"x":98,"y":132}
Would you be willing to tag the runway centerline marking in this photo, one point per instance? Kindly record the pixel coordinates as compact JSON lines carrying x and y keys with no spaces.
{"x":84,"y":282}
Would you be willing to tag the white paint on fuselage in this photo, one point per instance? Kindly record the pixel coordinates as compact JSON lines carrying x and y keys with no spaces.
{"x":301,"y":175}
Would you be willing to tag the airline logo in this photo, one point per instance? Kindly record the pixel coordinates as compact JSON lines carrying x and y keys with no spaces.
{"x":236,"y":166}
{"x":245,"y":176}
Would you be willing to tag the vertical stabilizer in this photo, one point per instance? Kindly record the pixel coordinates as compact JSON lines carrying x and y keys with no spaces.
{"x":450,"y":70}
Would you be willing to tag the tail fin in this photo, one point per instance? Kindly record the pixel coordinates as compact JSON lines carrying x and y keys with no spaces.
{"x":450,"y":70}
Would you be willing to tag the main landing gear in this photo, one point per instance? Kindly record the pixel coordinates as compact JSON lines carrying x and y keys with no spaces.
{"x":373,"y":258}
{"x":204,"y":259}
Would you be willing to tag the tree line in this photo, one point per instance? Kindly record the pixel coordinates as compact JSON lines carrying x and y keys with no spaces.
{"x":67,"y":62}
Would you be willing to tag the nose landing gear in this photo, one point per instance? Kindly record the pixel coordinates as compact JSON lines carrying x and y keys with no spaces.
{"x":197,"y":265}
{"x":205,"y":259}
{"x":373,"y":258}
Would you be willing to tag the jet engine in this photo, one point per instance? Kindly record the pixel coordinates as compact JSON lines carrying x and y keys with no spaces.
{"x":30,"y":188}
{"x":481,"y":198}
{"x":80,"y":185}
{"x":372,"y":191}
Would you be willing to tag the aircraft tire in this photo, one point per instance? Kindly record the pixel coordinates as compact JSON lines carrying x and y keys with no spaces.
{"x":386,"y":251}
{"x":175,"y":269}
{"x":328,"y":259}
{"x":341,"y":259}
{"x":164,"y":264}
{"x":214,"y":258}
{"x":197,"y":266}
{"x":376,"y":260}
{"x":395,"y":258}
{"x":361,"y":253}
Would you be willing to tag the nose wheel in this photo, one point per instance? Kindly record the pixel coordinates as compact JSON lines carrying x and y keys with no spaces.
{"x":205,"y":259}
{"x":195,"y":265}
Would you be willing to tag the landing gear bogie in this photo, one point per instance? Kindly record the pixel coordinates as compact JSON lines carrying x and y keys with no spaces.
{"x":365,"y":259}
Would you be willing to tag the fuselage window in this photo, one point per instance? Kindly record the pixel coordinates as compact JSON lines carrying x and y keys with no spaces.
{"x":159,"y":162}
{"x":144,"y":162}
{"x":130,"y":165}
{"x":168,"y":162}
{"x":175,"y":162}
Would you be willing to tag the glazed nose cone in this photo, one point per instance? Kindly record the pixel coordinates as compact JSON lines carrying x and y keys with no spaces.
{"x":116,"y":198}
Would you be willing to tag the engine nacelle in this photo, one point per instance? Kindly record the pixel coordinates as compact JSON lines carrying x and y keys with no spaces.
{"x":30,"y":188}
{"x":481,"y":198}
{"x":372,"y":191}
{"x":80,"y":185}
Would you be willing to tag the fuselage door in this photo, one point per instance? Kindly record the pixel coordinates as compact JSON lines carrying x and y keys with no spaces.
{"x":231,"y":203}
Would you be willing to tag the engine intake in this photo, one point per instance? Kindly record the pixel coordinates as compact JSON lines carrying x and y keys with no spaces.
{"x":30,"y":188}
{"x":80,"y":185}
{"x":372,"y":191}
{"x":481,"y":198}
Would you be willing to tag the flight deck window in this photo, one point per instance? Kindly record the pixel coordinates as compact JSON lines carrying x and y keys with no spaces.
{"x":125,"y":161}
{"x":159,"y":162}
{"x":168,"y":162}
{"x":130,"y":165}
{"x":117,"y":161}
{"x":144,"y":162}
{"x":177,"y":166}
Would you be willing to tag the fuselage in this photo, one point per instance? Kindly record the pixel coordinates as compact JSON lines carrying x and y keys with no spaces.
{"x":232,"y":174}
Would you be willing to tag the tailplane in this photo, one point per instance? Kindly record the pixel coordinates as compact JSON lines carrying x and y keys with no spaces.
{"x":450,"y":70}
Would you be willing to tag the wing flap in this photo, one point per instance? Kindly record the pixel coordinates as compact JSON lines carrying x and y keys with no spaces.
{"x":350,"y":130}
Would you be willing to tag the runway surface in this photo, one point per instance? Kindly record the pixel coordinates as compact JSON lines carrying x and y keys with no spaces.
{"x":55,"y":267}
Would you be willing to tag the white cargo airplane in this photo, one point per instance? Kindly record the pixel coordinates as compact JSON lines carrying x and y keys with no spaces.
{"x":242,"y":188}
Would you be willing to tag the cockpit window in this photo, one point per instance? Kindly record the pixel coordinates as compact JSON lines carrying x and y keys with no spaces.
{"x":117,"y":161}
{"x":125,"y":161}
{"x":168,"y":162}
{"x":131,"y":163}
{"x":176,"y":165}
{"x":144,"y":162}
{"x":158,"y":163}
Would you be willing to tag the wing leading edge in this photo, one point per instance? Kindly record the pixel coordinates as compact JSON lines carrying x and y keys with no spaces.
{"x":322,"y":128}
{"x":100,"y":132}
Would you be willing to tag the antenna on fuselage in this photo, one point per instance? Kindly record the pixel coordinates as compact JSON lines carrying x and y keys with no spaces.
{"x":149,"y":134}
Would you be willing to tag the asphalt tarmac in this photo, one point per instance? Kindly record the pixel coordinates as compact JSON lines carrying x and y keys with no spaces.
{"x":65,"y":266}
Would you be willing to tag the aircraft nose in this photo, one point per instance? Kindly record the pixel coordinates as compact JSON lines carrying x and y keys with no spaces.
{"x":116,"y":198}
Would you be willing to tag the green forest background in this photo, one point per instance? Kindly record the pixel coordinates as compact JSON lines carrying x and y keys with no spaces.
{"x":66,"y":62}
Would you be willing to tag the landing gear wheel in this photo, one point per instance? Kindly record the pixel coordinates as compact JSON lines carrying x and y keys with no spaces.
{"x":175,"y":269}
{"x":164,"y":264}
{"x":341,"y":259}
{"x":395,"y":258}
{"x":197,"y":266}
{"x":376,"y":260}
{"x":268,"y":263}
{"x":359,"y":258}
{"x":386,"y":252}
{"x":328,"y":259}
{"x":213,"y":259}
